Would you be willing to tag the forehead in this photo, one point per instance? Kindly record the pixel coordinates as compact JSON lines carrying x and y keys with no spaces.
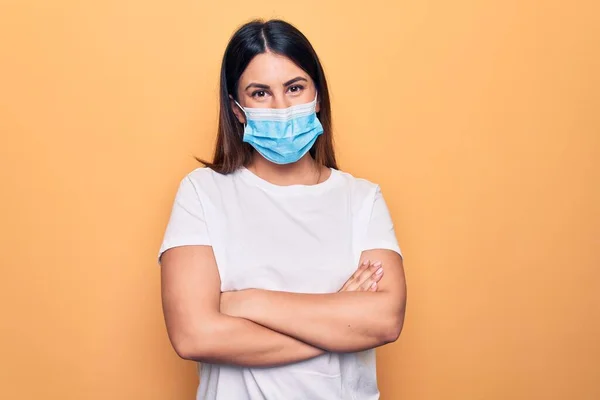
{"x":270,"y":68}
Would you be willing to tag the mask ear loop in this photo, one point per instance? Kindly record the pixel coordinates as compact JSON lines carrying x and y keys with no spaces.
{"x":243,"y":110}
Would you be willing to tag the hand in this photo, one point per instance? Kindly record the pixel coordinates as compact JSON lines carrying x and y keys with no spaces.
{"x":365,"y":278}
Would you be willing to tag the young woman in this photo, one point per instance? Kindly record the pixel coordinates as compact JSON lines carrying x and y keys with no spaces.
{"x":280,"y":273}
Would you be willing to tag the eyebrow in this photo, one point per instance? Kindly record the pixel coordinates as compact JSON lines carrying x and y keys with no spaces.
{"x":288,"y":83}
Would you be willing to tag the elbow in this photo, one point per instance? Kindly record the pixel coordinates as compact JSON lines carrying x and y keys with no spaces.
{"x":393,"y":328}
{"x":197,"y":341}
{"x":184,"y":352}
{"x":186,"y":348}
{"x":193,"y":347}
{"x":392,"y":331}
{"x":395,"y":322}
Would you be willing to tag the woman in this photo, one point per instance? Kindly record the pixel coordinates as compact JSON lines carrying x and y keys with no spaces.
{"x":266,"y":278}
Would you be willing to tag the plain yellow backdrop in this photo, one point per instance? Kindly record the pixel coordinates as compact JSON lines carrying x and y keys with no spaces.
{"x":480,"y":120}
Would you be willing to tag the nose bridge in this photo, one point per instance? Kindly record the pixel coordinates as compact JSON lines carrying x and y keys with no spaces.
{"x":280,"y":101}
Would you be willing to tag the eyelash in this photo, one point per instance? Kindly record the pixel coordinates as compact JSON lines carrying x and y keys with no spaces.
{"x":256,"y":92}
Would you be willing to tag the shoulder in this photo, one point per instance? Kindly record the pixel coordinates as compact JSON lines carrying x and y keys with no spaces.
{"x":201,"y":183}
{"x":358,"y":186}
{"x":201,"y":175}
{"x":204,"y":179}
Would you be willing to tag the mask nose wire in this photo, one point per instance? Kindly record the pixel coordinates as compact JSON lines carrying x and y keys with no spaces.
{"x":246,"y":114}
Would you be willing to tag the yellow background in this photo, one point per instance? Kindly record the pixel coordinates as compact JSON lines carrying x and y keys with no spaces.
{"x":480,"y":120}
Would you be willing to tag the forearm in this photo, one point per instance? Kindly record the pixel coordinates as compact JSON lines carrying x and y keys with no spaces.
{"x":237,"y":341}
{"x":338,"y":322}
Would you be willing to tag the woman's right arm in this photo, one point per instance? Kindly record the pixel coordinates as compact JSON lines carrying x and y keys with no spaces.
{"x":190,"y":287}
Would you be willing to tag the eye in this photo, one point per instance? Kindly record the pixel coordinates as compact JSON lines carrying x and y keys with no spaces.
{"x":259,"y":93}
{"x":296,"y":88}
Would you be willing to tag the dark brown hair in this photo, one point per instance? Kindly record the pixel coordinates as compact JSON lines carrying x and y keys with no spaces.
{"x":251,"y":39}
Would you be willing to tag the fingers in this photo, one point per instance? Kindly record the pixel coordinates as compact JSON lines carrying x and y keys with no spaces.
{"x":364,"y":265}
{"x":362,"y":275}
{"x":370,"y":277}
{"x":353,"y":282}
{"x":365,"y":278}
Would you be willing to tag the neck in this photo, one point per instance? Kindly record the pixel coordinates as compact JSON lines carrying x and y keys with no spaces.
{"x":305,"y":171}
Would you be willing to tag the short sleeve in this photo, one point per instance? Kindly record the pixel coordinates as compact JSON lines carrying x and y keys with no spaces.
{"x":187,"y":225}
{"x":380,"y":230}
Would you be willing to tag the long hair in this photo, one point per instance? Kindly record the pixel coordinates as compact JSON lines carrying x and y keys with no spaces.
{"x":257,"y":37}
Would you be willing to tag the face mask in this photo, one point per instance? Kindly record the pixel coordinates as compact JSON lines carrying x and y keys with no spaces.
{"x":282,"y":135}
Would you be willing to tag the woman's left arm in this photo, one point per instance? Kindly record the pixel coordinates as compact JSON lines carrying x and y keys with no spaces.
{"x":336,"y":322}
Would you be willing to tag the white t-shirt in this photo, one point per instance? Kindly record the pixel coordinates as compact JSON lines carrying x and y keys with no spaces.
{"x":299,"y":238}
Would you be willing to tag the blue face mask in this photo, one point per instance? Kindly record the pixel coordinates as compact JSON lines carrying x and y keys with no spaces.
{"x":282,"y":135}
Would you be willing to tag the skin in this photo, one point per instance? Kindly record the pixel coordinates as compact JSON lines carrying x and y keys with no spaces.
{"x":259,"y":328}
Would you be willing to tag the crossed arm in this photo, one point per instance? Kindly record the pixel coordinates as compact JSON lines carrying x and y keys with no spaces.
{"x":266,"y":328}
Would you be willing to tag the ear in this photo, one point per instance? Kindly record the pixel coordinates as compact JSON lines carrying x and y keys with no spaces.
{"x":239,"y":114}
